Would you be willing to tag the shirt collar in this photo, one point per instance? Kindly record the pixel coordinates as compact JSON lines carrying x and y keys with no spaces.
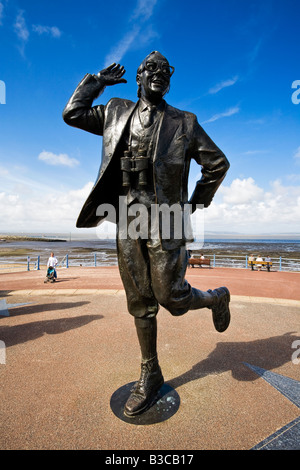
{"x":143,"y":105}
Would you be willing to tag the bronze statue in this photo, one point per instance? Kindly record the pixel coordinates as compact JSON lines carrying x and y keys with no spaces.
{"x":147,"y":149}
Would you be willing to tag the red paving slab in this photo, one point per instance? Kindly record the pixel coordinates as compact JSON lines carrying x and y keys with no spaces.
{"x":66,"y":355}
{"x":279,"y":285}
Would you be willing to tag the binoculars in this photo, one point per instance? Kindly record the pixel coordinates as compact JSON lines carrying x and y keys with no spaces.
{"x":136,"y":165}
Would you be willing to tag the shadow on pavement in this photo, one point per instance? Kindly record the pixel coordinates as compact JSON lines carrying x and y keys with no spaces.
{"x":39,"y":308}
{"x":18,"y":334}
{"x":268,"y":354}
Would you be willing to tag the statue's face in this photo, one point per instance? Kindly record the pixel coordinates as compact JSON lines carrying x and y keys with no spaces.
{"x":154,"y":79}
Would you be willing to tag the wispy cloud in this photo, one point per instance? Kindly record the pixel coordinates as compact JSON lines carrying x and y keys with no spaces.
{"x":20,"y":27}
{"x":21,"y":30}
{"x":144,"y":10}
{"x":140,"y":33}
{"x":297,"y":155}
{"x":3,"y":171}
{"x":294,"y":178}
{"x":61,"y":159}
{"x":253,"y":54}
{"x":229,"y":112}
{"x":118,"y":52}
{"x":50,"y":30}
{"x":255,"y":152}
{"x":258,"y":121}
{"x":224,"y":84}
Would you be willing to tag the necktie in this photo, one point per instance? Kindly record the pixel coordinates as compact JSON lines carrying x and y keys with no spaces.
{"x":149,"y":114}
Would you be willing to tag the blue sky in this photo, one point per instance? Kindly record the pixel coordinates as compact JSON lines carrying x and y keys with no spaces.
{"x":235,"y":64}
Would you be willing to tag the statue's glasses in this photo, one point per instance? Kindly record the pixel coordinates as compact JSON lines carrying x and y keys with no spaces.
{"x":153,"y":67}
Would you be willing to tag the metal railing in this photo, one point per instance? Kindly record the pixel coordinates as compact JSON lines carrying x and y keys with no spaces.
{"x":220,"y":260}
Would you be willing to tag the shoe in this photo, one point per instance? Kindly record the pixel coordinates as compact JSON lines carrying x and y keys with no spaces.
{"x":146,"y":389}
{"x":220,"y":308}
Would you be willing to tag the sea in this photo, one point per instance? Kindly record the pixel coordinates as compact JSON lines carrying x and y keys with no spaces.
{"x":102,"y":252}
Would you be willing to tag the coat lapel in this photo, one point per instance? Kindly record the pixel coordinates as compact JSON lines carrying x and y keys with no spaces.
{"x":115,"y":125}
{"x":167,"y":131}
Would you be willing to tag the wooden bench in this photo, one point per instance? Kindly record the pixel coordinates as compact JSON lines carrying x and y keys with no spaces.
{"x":199,"y":262}
{"x":266,"y":264}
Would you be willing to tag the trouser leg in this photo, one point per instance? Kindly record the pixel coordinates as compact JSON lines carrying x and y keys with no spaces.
{"x":134,"y":270}
{"x":146,"y":329}
{"x":152,"y":276}
{"x":201,"y":299}
{"x":171,"y":289}
{"x":175,"y":294}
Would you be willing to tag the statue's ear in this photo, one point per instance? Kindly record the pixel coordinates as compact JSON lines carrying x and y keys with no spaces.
{"x":138,"y":79}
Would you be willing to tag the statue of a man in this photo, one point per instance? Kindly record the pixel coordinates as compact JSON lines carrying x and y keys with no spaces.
{"x":147,"y":150}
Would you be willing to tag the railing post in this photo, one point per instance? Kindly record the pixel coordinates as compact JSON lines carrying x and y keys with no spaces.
{"x":280,"y":263}
{"x":95,"y":259}
{"x":246,"y":261}
{"x":28,"y":261}
{"x":38,"y":263}
{"x":67,"y":261}
{"x":214,"y":260}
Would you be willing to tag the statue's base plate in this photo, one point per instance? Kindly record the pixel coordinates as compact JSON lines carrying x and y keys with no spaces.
{"x":165,"y":405}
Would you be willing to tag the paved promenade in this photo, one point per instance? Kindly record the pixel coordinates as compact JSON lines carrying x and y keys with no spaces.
{"x":67,"y":348}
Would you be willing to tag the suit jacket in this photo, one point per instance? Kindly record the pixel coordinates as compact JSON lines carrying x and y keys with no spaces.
{"x":179,"y":139}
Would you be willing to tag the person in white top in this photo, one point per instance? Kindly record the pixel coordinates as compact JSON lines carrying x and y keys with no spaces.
{"x":52,"y":263}
{"x":259,"y":258}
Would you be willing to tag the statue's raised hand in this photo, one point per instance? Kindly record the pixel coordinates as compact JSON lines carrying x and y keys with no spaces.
{"x":112,"y":74}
